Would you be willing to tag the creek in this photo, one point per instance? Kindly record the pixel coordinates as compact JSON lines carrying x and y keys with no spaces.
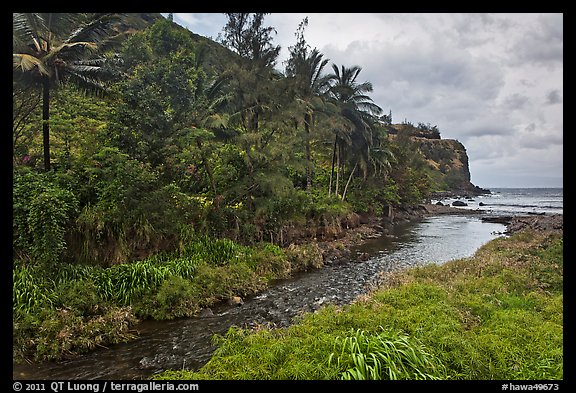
{"x":187,"y":343}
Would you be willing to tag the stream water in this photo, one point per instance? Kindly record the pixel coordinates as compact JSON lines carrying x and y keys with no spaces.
{"x":186,"y":343}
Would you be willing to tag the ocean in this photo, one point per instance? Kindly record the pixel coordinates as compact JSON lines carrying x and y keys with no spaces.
{"x":515,"y":201}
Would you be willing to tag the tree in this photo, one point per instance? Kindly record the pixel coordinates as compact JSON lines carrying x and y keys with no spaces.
{"x":245,"y":34}
{"x":53,"y":48}
{"x":25,"y":100}
{"x":159,"y":94}
{"x":361,"y":111}
{"x":305,"y":68}
{"x":253,"y":81}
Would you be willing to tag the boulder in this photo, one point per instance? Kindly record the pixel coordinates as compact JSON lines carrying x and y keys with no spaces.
{"x":459,"y":203}
{"x":206,"y":312}
{"x":235,"y":301}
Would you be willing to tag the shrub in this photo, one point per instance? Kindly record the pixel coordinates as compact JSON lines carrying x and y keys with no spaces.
{"x":304,"y":257}
{"x":175,"y":298}
{"x":127,"y":208}
{"x":42,"y":210}
{"x":79,"y":296}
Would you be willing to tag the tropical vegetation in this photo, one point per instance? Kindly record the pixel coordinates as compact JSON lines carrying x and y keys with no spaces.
{"x":156,"y":172}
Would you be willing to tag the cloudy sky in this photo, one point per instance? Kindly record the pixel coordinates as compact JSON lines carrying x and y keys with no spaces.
{"x":492,"y":81}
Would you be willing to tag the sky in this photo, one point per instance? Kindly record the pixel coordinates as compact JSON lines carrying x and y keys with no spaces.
{"x":494,"y":82}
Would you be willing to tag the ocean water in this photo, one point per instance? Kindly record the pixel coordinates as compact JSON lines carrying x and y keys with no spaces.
{"x":515,"y":201}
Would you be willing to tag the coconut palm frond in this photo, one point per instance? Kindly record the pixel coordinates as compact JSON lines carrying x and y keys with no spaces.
{"x":96,"y":30}
{"x":27,"y":63}
{"x":22,"y":32}
{"x":70,"y":51}
{"x":27,"y":27}
{"x":86,"y":83}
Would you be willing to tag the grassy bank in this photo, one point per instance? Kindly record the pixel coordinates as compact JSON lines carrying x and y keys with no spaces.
{"x":497,"y":315}
{"x":73,"y":309}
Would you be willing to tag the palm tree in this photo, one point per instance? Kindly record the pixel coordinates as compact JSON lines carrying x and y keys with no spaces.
{"x":212,"y":96}
{"x":52,"y":48}
{"x":306,"y":70}
{"x":359,"y":109}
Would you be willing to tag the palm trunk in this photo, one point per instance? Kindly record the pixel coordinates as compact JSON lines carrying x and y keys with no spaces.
{"x":45,"y":121}
{"x":348,"y":182}
{"x":333,"y":163}
{"x":307,"y":121}
{"x":340,"y":166}
{"x":337,"y":171}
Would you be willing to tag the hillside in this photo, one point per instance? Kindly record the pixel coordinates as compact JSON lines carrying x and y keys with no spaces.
{"x":198,"y":137}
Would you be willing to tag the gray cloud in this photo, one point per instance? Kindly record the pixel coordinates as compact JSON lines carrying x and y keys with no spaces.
{"x":543,"y":41}
{"x":516,"y":101}
{"x":553,"y":97}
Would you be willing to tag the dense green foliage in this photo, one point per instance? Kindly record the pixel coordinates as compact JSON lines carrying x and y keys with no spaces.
{"x":495,"y":316}
{"x":188,"y":142}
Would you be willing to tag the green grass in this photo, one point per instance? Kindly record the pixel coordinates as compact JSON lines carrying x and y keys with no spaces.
{"x":497,"y":315}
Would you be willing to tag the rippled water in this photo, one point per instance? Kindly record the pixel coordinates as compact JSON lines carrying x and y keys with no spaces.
{"x":514,"y":201}
{"x":186,"y":343}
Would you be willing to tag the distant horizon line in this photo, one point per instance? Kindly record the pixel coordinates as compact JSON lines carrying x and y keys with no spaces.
{"x":491,"y":187}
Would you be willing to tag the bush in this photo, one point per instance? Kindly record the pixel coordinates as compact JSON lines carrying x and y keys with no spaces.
{"x":42,"y":211}
{"x":175,"y":298}
{"x":373,"y":197}
{"x":304,"y":257}
{"x":79,"y":296}
{"x":60,"y":333}
{"x":127,"y":209}
{"x":269,"y":261}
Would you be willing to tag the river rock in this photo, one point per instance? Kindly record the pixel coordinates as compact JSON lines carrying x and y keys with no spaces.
{"x":206,"y":312}
{"x":459,"y":203}
{"x":235,"y":301}
{"x":545,"y":223}
{"x":363,"y":257}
